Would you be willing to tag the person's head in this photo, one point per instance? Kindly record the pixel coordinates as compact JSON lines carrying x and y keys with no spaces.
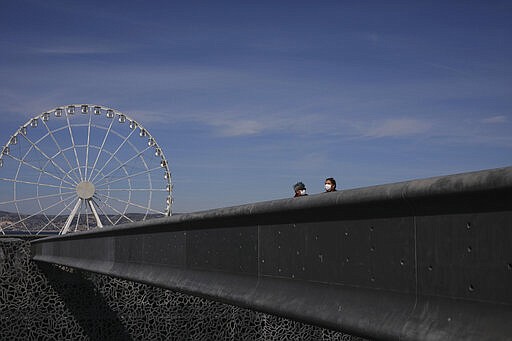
{"x":300,"y":189}
{"x":330,"y":185}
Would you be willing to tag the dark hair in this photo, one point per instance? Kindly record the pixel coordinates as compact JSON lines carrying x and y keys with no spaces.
{"x":298,"y":186}
{"x":331,"y":180}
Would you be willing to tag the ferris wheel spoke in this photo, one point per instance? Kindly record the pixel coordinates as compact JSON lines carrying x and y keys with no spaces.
{"x":87,"y":149}
{"x":50,"y":159}
{"x":78,"y":214}
{"x":114,"y":209}
{"x":124,"y":164}
{"x":128,"y":176}
{"x":94,"y":212}
{"x":130,"y":189}
{"x":35,"y":183}
{"x":77,"y":179}
{"x":36,"y":147}
{"x":65,"y":228}
{"x":113,"y":154}
{"x":35,"y":198}
{"x":99,"y":207}
{"x":74,"y":148}
{"x":66,"y":207}
{"x":101,"y":149}
{"x":130,"y":203}
{"x":87,"y":214}
{"x":39,"y":212}
{"x":41,"y":170}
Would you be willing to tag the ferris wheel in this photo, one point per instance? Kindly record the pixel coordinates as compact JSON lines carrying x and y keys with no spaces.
{"x":78,"y":167}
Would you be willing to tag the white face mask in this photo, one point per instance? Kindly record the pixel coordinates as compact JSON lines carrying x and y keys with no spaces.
{"x":327,"y":187}
{"x":302,"y":191}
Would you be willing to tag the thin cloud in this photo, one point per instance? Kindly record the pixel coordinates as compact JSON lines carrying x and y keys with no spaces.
{"x":241,"y":120}
{"x":446,"y":68}
{"x":232,"y":123}
{"x":240,"y":128}
{"x":272,"y":121}
{"x":397,"y":128}
{"x":495,"y":119}
{"x":67,"y":47}
{"x":373,"y":38}
{"x":74,"y":50}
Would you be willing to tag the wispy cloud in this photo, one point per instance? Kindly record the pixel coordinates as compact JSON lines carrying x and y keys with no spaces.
{"x":235,"y":119}
{"x":240,"y":128}
{"x":396,"y":128}
{"x":495,"y":119}
{"x":74,"y":50}
{"x":373,"y":38}
{"x":446,"y":68}
{"x":66,"y":46}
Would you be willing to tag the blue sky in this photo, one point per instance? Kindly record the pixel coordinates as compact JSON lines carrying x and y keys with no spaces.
{"x":248,"y":97}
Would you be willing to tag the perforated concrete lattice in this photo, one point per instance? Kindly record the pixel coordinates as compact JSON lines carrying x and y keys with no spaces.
{"x":48,"y":302}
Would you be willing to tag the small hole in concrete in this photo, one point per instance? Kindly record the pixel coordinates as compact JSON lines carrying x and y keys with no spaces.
{"x":372,"y":248}
{"x":510,"y":266}
{"x":371,"y":228}
{"x":402,"y":262}
{"x":430,"y":268}
{"x":372,"y":279}
{"x":468,"y":226}
{"x":346,"y":234}
{"x":471,"y":288}
{"x":348,"y":260}
{"x":470,"y":249}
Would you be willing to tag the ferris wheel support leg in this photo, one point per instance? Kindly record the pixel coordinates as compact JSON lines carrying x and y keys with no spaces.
{"x":96,"y":216}
{"x":71,"y":216}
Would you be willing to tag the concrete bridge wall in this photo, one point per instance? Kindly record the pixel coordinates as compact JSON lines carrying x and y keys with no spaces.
{"x":420,"y":260}
{"x":51,"y":302}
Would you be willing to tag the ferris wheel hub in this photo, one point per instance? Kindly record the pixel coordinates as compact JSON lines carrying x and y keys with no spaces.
{"x":85,"y":190}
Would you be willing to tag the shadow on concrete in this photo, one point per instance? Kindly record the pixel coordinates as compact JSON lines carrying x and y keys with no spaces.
{"x":85,"y":303}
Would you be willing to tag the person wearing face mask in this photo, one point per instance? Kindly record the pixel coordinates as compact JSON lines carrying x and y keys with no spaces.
{"x":330,"y":185}
{"x":300,"y":189}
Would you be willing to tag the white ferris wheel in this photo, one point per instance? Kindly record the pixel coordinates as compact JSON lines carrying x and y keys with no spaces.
{"x":79,"y":167}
